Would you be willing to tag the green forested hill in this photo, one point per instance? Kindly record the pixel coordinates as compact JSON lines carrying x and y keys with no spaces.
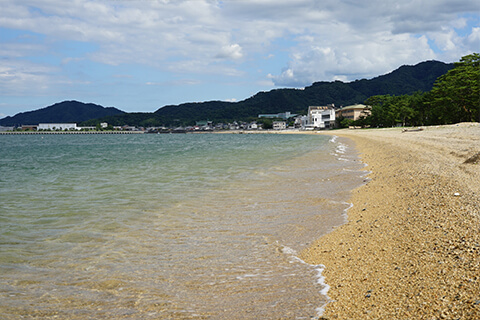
{"x":404,"y":80}
{"x":454,"y":98}
{"x":63,"y":112}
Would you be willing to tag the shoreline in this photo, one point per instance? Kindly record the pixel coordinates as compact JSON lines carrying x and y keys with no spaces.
{"x":411,"y":246}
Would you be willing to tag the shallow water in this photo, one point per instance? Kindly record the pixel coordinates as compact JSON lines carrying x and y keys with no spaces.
{"x":167,"y":226}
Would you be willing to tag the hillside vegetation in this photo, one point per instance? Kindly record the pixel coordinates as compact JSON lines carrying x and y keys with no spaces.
{"x":430,"y":92}
{"x":454,"y":98}
{"x":404,"y":80}
{"x":63,"y":112}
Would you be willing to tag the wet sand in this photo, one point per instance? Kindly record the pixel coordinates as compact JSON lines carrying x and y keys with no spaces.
{"x":411,"y":246}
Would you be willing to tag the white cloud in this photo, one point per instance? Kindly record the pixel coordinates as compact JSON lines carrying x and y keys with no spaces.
{"x":21,"y":77}
{"x":233,"y":51}
{"x":352,"y":60}
{"x":25,"y":78}
{"x":379,"y":37}
{"x":474,"y":38}
{"x":323,"y":40}
{"x":181,"y":82}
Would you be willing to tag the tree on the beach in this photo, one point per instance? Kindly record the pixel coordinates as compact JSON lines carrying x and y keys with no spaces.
{"x":455,"y":96}
{"x":392,"y":110}
{"x":380,"y":106}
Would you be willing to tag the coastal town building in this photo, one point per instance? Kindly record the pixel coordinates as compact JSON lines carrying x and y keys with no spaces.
{"x":69,"y":128}
{"x":283,"y":115}
{"x":29,"y":127}
{"x":279,"y":125}
{"x":57,"y":126}
{"x":300,"y":122}
{"x":354,"y":112}
{"x":233,"y":126}
{"x":4,"y":129}
{"x":91,"y":128}
{"x":204,"y":125}
{"x":321,"y":117}
{"x":129,"y":128}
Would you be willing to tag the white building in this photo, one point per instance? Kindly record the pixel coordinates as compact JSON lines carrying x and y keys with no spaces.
{"x":2,"y":129}
{"x":279,"y":125}
{"x":321,"y":117}
{"x":91,"y":128}
{"x":354,"y":112}
{"x":301,"y":122}
{"x":284,"y":115}
{"x":57,"y":126}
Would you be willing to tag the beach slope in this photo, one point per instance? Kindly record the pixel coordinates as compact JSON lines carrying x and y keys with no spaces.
{"x":411,"y":246}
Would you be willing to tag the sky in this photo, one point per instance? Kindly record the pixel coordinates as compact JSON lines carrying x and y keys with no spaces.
{"x":139,"y":56}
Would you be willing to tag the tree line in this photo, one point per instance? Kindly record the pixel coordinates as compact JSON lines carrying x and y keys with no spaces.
{"x":454,"y":98}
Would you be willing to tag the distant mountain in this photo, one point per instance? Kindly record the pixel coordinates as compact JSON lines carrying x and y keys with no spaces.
{"x":404,"y":80}
{"x":63,"y":112}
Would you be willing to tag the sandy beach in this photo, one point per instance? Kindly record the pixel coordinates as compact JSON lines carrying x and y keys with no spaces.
{"x":411,"y":246}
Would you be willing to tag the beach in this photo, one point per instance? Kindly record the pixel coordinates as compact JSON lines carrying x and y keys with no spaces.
{"x":411,"y":246}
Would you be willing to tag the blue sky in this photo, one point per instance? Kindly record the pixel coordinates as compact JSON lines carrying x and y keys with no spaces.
{"x":139,"y":56}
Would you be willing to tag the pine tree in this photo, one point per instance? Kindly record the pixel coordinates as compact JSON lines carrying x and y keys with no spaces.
{"x":455,"y":96}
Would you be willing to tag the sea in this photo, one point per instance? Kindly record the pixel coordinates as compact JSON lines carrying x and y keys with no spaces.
{"x":168,"y":226}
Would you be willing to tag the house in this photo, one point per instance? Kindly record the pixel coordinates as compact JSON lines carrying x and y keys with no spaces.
{"x":220,"y":126}
{"x":321,"y":117}
{"x":234,"y":126}
{"x":204,"y":125}
{"x":279,"y":125}
{"x":129,"y":128}
{"x":29,"y":127}
{"x":300,"y":121}
{"x":354,"y":112}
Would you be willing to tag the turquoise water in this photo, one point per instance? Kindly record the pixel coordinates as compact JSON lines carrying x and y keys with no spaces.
{"x":186,"y":226}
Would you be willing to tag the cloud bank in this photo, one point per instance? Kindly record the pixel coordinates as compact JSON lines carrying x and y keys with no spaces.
{"x":66,"y":44}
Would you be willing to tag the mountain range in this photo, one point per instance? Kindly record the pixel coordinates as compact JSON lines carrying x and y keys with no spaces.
{"x":63,"y":112}
{"x":404,"y":80}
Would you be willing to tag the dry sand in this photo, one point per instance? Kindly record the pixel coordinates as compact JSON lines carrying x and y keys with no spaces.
{"x":411,"y":246}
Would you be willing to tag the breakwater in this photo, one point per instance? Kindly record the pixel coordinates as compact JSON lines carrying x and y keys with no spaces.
{"x":72,"y":132}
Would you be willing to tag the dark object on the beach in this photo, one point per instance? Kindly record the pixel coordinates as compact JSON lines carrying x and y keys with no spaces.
{"x":474,"y":159}
{"x":412,"y":130}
